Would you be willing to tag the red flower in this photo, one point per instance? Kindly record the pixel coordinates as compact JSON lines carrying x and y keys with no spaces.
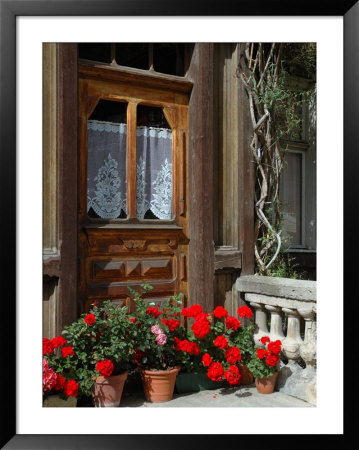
{"x":132,"y":319}
{"x":272,"y":360}
{"x":186,"y":312}
{"x":138,"y":356}
{"x":232,"y":322}
{"x":195,"y":310}
{"x":215,"y":371}
{"x":206,"y":359}
{"x":233,"y":375}
{"x":58,"y":341}
{"x":275,"y":347}
{"x":47,"y":346}
{"x":233,"y":354}
{"x":105,"y":367}
{"x":261,"y":353}
{"x":71,"y":388}
{"x":172,"y":324}
{"x":244,"y":311}
{"x":264,"y":339}
{"x":221,"y":342}
{"x":67,"y":351}
{"x":90,"y":319}
{"x":201,"y":328}
{"x":60,"y":382}
{"x":152,"y":310}
{"x":220,"y":312}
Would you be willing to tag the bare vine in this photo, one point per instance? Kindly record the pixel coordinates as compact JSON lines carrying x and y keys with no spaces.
{"x":272,"y":110}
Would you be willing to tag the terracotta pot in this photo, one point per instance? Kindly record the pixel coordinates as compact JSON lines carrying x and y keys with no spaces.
{"x":158,"y":385}
{"x":247,"y":375}
{"x":107,"y":391}
{"x":266,"y":385}
{"x":58,"y":401}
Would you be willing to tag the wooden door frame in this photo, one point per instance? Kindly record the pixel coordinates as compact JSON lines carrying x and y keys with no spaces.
{"x":200,"y":181}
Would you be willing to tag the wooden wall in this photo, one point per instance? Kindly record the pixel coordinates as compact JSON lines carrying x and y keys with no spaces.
{"x":233,"y":177}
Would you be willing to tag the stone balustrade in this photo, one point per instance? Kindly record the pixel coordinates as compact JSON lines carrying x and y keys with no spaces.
{"x":285,"y":309}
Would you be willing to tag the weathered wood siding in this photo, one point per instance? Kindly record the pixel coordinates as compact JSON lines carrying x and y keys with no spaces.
{"x":233,"y":176}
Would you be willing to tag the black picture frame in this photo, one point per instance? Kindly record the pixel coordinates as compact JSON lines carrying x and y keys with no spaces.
{"x":9,"y":10}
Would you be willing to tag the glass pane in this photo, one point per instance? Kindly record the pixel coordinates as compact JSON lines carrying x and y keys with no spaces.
{"x":106,"y":162}
{"x":132,"y":55}
{"x":291,"y":197}
{"x":169,"y":58}
{"x":95,"y":52}
{"x":154,"y":164}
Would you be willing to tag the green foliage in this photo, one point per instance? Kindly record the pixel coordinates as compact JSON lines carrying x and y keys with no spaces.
{"x":109,"y":337}
{"x":244,"y":340}
{"x":259,"y":368}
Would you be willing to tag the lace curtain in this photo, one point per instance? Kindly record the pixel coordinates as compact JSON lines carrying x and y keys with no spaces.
{"x":106,"y":170}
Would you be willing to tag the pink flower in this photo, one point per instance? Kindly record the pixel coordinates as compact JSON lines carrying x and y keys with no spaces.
{"x":49,"y":377}
{"x":161,"y":339}
{"x":155,"y":329}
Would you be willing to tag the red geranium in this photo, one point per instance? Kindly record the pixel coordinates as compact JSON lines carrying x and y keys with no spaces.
{"x":71,"y":388}
{"x":67,"y":351}
{"x":272,"y":359}
{"x":244,"y":311}
{"x":232,"y":355}
{"x":215,"y":371}
{"x":206,"y":359}
{"x":220,"y":312}
{"x":221,"y":342}
{"x":275,"y":347}
{"x":152,"y":310}
{"x":201,"y":328}
{"x":195,"y":310}
{"x":264,"y":339}
{"x":172,"y":324}
{"x":261,"y":353}
{"x":186,"y":312}
{"x":233,"y":375}
{"x":47,"y":346}
{"x":138,"y":356}
{"x":58,"y":341}
{"x":90,"y":319}
{"x":105,"y":367}
{"x":232,"y":322}
{"x":133,"y":319}
{"x":60,"y":382}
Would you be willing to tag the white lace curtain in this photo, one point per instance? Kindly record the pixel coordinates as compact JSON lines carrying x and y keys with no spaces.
{"x":106,"y":170}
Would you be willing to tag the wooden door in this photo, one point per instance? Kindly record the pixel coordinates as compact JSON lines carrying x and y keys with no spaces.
{"x":124,"y":248}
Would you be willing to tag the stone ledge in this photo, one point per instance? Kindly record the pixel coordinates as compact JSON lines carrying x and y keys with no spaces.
{"x":289,"y":288}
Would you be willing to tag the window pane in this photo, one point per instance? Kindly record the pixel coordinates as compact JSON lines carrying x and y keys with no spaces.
{"x":154,"y":164}
{"x":132,"y":55}
{"x":106,"y":162}
{"x":169,"y":58}
{"x":291,"y":197}
{"x":95,"y":52}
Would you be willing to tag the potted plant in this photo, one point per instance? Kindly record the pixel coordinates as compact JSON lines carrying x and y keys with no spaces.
{"x":102,"y":342}
{"x":264,"y":365}
{"x":59,"y":389}
{"x":157,"y":326}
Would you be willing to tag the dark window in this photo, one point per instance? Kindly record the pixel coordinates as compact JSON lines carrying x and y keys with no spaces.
{"x":132,"y":55}
{"x":169,"y":58}
{"x":100,"y":52}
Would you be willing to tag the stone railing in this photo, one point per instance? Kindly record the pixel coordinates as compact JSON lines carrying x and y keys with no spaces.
{"x":285,"y":309}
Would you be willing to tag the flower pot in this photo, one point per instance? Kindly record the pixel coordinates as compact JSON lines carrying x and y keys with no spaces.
{"x":266,"y":385}
{"x":247,"y":375}
{"x":107,"y":391}
{"x":158,"y":385}
{"x":58,"y":401}
{"x":195,"y":382}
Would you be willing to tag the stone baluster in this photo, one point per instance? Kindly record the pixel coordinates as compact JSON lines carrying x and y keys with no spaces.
{"x":276,"y":330}
{"x":308,"y":350}
{"x":260,"y":321}
{"x":292,"y":342}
